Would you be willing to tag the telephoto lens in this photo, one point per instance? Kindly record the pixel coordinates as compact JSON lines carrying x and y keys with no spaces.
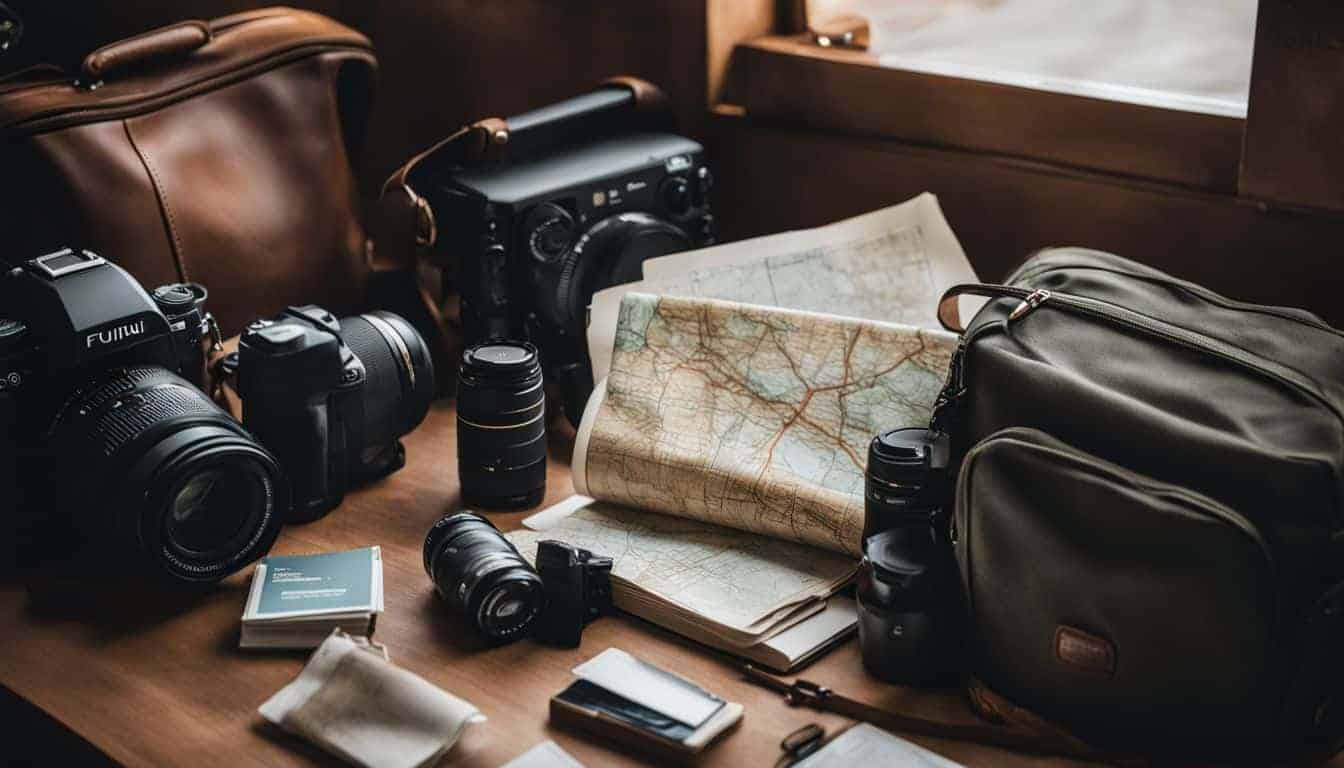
{"x":481,"y":575}
{"x":501,"y":426}
{"x":152,"y":465}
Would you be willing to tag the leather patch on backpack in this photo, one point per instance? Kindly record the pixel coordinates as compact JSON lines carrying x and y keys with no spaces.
{"x":1085,"y":651}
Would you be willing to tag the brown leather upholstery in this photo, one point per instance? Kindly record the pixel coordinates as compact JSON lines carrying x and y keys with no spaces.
{"x":216,"y":153}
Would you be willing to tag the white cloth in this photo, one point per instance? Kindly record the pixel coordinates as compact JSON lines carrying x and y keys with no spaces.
{"x":354,"y":703}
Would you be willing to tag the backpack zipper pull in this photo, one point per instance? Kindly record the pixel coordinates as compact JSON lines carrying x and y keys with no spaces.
{"x":1034,"y":299}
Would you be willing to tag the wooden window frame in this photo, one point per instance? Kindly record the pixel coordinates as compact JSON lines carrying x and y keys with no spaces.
{"x":1287,"y":151}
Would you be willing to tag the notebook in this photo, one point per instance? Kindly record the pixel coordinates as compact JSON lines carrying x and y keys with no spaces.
{"x":297,"y":600}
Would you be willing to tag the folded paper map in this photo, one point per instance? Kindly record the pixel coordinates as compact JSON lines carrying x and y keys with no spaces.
{"x":722,"y":456}
{"x":726,"y":450}
{"x":891,"y":265}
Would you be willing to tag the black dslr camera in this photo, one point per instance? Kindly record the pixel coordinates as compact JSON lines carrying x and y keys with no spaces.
{"x":105,"y":426}
{"x":591,"y":188}
{"x":332,"y":398}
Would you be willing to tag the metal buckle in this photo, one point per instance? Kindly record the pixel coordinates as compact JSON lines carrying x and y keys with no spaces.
{"x":797,"y":693}
{"x":216,"y":335}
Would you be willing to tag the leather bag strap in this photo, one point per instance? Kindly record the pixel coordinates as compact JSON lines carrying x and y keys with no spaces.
{"x":949,"y":309}
{"x":1010,"y":729}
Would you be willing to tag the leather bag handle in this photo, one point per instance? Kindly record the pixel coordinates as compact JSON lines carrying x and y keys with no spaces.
{"x":166,"y":42}
{"x":949,"y":308}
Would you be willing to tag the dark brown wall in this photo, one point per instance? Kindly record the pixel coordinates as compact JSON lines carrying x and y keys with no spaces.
{"x":773,"y":178}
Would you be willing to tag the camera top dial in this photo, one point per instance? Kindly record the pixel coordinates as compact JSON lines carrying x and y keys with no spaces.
{"x":548,"y":229}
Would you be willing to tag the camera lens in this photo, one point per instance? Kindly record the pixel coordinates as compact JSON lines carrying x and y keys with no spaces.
{"x":501,"y":426}
{"x":158,"y":468}
{"x":907,"y":476}
{"x":479,"y":573}
{"x":211,"y":508}
{"x":399,"y":383}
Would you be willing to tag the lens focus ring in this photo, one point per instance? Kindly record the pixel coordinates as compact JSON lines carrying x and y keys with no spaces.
{"x":147,"y":443}
{"x":501,"y":426}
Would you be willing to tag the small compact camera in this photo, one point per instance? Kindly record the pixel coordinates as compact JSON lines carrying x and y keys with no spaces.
{"x":592,"y":188}
{"x":332,"y":398}
{"x":105,"y":424}
{"x":577,"y":585}
{"x":908,"y":594}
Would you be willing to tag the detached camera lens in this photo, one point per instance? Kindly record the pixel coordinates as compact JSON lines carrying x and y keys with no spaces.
{"x":480,"y":574}
{"x":501,"y":426}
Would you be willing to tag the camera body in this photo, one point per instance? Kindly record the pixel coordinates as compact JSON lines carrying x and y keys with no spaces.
{"x":331,"y":398}
{"x":81,"y":311}
{"x":908,"y":593}
{"x":569,"y":213}
{"x":577,"y":584}
{"x":105,"y":424}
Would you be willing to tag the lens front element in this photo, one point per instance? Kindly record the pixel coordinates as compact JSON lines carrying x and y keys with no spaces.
{"x":211,"y":508}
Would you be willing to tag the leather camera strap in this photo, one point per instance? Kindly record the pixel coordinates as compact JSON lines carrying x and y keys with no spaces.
{"x":1020,"y":731}
{"x":411,"y":276}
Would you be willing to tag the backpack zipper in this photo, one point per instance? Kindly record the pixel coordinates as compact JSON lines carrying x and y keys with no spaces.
{"x":1194,"y":289}
{"x":1117,"y":315}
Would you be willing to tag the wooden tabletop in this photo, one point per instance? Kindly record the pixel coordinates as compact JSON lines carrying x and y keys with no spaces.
{"x":150,"y":676}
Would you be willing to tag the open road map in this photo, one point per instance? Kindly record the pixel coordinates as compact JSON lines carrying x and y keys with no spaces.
{"x":755,"y":418}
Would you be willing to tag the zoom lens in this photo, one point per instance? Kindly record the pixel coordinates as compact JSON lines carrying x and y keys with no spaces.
{"x":501,"y":426}
{"x":160,"y":470}
{"x":398,"y":387}
{"x":479,"y":573}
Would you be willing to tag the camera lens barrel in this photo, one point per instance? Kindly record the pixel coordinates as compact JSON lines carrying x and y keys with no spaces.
{"x":501,"y":426}
{"x":480,"y":574}
{"x":158,"y":468}
{"x":907,"y":477}
{"x":400,"y":376}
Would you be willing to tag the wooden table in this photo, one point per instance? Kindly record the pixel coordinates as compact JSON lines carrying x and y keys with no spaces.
{"x":148,"y":676}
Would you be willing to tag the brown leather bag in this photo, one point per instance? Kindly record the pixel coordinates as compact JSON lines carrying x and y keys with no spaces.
{"x":216,"y":152}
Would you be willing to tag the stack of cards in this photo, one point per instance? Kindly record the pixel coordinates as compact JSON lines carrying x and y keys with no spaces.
{"x":297,"y":600}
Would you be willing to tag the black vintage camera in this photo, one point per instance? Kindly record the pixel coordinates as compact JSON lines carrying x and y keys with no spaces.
{"x":332,"y":398}
{"x":592,"y":187}
{"x":577,"y":584}
{"x":102,"y":429}
{"x":909,"y":601}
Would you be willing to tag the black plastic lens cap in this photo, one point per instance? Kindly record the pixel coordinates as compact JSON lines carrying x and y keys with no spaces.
{"x":502,"y":355}
{"x":901,"y":556}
